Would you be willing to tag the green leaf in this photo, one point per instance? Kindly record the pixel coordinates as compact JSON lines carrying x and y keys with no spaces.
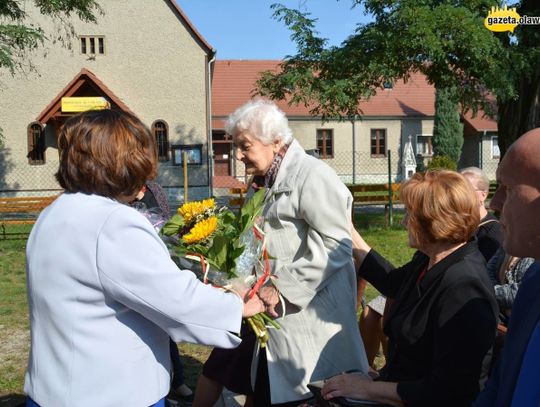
{"x":251,"y":209}
{"x":217,"y":253}
{"x":173,"y":226}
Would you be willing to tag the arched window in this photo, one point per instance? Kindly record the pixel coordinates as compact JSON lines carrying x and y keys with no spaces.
{"x":36,"y":144}
{"x":161,"y":133}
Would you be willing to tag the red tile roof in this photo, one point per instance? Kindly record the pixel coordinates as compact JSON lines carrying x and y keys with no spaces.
{"x":481,"y":122}
{"x":234,"y":82}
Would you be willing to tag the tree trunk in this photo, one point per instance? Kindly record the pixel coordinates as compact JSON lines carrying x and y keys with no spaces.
{"x":523,"y":114}
{"x":516,"y":117}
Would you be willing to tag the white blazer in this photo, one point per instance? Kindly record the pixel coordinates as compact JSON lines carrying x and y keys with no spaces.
{"x":104,"y":297}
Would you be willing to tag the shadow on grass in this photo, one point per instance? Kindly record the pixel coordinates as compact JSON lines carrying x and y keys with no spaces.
{"x":13,"y":400}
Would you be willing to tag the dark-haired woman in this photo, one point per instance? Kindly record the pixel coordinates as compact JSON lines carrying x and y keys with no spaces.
{"x":104,"y":296}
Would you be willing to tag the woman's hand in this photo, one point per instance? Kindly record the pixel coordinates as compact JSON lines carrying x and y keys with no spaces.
{"x":361,"y":387}
{"x":347,"y":385}
{"x":270,"y":297}
{"x":252,"y":307}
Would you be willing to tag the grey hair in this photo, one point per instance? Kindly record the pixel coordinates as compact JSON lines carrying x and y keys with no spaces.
{"x":262,"y":119}
{"x":479,"y":176}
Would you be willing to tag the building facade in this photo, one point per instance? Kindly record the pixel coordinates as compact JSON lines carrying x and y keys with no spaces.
{"x":142,"y":56}
{"x":368,"y":149}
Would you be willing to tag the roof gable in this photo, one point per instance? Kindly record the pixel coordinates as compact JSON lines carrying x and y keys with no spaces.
{"x":190,"y":27}
{"x":85,"y":83}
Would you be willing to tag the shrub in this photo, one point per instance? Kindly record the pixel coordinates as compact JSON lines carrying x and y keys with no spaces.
{"x":442,"y":162}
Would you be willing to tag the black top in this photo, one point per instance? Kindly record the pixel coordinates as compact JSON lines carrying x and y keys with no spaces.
{"x":489,"y":235}
{"x":440,"y":326}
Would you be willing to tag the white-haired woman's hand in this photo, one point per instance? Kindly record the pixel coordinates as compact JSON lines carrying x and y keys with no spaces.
{"x":270,"y":297}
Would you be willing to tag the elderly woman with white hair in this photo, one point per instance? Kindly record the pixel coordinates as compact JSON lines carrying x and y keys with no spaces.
{"x":489,"y":233}
{"x":307,"y":225}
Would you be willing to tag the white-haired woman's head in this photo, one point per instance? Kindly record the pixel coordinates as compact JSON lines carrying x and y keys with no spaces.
{"x":477,"y":178}
{"x":260,"y":131}
{"x":262,"y":119}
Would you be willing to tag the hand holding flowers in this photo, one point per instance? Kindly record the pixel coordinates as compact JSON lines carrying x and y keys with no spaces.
{"x":270,"y":298}
{"x":226,"y":250}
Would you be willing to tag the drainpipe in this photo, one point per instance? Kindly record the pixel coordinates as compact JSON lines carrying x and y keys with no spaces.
{"x":353,"y":151}
{"x":209,"y":121}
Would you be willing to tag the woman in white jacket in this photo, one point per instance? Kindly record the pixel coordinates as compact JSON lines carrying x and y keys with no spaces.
{"x":307,"y":225}
{"x":104,"y":295}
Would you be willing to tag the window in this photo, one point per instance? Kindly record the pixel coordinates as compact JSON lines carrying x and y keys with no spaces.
{"x":161,"y":133}
{"x":325,"y":143}
{"x":424,"y":146}
{"x":378,"y":142}
{"x":495,"y":152}
{"x":36,"y":144}
{"x":90,"y":45}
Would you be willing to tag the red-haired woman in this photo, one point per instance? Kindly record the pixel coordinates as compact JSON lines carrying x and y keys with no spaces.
{"x":443,"y":319}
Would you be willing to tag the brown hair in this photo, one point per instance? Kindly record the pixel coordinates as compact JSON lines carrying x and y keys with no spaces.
{"x":442,"y":207}
{"x":105,"y":152}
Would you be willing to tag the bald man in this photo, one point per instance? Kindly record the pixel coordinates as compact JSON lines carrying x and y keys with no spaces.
{"x":516,"y":379}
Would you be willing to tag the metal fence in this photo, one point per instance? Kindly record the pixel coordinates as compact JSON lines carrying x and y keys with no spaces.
{"x":22,"y":179}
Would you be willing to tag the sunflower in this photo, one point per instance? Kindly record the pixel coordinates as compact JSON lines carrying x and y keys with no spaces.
{"x":201,"y":230}
{"x":191,"y":209}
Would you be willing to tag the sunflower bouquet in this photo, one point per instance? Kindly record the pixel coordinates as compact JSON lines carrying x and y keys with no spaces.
{"x":222,"y":248}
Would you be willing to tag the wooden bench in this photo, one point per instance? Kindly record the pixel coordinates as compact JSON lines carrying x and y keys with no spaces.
{"x":374,"y":194}
{"x":238,"y":196}
{"x":22,"y":210}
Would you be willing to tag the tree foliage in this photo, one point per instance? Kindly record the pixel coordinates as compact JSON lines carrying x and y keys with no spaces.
{"x":442,"y":162}
{"x":18,"y":37}
{"x":448,"y":129}
{"x":444,"y":39}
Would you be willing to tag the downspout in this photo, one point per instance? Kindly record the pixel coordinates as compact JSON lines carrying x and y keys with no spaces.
{"x":353,"y":151}
{"x":209,"y":121}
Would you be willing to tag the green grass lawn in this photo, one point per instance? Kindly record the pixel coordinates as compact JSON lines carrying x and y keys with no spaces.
{"x":14,"y":335}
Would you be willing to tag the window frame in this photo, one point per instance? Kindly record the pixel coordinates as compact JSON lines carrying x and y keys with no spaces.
{"x":430,"y":136}
{"x":89,"y":43}
{"x":377,"y":143}
{"x":32,"y":141}
{"x":165,"y":144}
{"x":322,"y":152}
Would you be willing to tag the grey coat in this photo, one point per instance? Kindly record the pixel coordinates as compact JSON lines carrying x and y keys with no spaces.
{"x":307,"y":226}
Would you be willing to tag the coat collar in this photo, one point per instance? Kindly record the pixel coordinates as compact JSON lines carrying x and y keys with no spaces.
{"x":288,"y":170}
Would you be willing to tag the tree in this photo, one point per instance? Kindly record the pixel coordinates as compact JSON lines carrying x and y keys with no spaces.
{"x":448,"y":130}
{"x":443,"y":39}
{"x":17,"y":37}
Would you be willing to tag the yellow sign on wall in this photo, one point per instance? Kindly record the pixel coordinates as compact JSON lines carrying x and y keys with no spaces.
{"x":82,"y":104}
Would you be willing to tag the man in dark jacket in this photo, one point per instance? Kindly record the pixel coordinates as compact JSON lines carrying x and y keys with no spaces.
{"x":516,"y":379}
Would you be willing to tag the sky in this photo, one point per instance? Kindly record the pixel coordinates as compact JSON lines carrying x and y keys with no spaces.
{"x":245,"y":29}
